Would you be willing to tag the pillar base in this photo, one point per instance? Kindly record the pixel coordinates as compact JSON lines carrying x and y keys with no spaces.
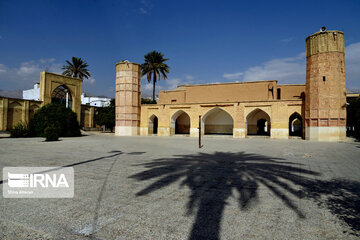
{"x":163,"y":131}
{"x":126,"y":131}
{"x":144,"y":131}
{"x":194,"y":132}
{"x":279,"y":133}
{"x":239,"y":132}
{"x":331,"y":134}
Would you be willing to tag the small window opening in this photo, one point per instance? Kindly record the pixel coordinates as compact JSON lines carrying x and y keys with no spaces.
{"x":324,"y":79}
{"x":278,"y":93}
{"x":173,"y":100}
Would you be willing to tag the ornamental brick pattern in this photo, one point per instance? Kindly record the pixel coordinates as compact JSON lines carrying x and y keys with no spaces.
{"x":127,"y":98}
{"x":325,"y":103}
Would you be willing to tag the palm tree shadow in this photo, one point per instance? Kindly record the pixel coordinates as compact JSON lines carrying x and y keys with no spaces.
{"x":213,"y":177}
{"x":342,"y":198}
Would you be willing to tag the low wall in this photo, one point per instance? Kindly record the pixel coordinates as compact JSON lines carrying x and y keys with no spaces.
{"x":14,"y":110}
{"x":218,"y":129}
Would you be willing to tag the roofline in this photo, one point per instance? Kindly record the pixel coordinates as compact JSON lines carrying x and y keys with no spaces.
{"x":327,"y":31}
{"x":210,"y":84}
{"x":22,"y":99}
{"x":57,"y":74}
{"x":291,"y":84}
{"x":123,"y":62}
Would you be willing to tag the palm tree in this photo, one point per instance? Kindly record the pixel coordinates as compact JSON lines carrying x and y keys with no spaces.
{"x":154,"y":66}
{"x":76,"y":68}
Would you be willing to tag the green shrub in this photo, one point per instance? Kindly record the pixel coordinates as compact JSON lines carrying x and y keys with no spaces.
{"x":51,"y":133}
{"x":21,"y":129}
{"x":106,"y":115}
{"x":54,"y":115}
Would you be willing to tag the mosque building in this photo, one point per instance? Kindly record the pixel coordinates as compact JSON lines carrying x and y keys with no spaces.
{"x":315,"y":110}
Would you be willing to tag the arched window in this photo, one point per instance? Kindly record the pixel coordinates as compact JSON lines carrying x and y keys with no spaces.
{"x":62,"y":95}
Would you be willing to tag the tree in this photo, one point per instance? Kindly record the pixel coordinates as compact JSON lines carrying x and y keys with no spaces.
{"x":76,"y":68}
{"x":106,"y":116}
{"x":57,"y":116}
{"x":154,"y":67}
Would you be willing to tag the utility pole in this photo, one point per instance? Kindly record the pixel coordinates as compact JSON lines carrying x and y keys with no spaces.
{"x":200,"y":131}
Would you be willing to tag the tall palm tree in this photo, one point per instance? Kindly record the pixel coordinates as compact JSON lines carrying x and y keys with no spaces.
{"x":76,"y":68}
{"x":154,"y":66}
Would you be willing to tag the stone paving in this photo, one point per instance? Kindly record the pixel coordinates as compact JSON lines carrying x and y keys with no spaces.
{"x":167,"y":188}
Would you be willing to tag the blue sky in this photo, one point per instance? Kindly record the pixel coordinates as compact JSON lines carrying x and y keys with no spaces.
{"x":206,"y":41}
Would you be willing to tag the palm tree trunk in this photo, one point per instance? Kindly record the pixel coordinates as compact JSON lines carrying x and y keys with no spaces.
{"x":154,"y":81}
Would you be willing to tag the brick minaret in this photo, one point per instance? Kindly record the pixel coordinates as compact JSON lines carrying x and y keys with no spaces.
{"x":325,"y":97}
{"x":127,"y":98}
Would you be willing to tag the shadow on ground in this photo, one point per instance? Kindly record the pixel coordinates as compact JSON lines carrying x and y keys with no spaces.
{"x":212,"y":178}
{"x":115,"y":153}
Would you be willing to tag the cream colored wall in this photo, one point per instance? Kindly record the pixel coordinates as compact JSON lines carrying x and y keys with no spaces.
{"x":87,"y":116}
{"x":279,"y":112}
{"x":231,"y":92}
{"x":289,"y":92}
{"x":13,"y":111}
{"x":175,"y":97}
{"x":224,"y":92}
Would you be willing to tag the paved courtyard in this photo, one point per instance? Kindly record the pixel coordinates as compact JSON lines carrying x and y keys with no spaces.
{"x":166,"y":188}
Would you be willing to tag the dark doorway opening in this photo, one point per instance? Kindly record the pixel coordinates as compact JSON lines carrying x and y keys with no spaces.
{"x":262,"y":127}
{"x":295,"y":125}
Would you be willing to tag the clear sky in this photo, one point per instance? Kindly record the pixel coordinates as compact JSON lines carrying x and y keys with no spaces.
{"x":206,"y":41}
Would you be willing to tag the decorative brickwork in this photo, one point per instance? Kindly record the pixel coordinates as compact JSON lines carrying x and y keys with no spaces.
{"x":325,"y":102}
{"x":127,"y":98}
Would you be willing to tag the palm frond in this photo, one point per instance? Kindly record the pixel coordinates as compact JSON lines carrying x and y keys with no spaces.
{"x":76,"y":68}
{"x":154,"y":66}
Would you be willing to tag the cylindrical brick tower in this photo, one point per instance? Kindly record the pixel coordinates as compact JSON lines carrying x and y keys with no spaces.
{"x":127,"y":98}
{"x":325,"y":97}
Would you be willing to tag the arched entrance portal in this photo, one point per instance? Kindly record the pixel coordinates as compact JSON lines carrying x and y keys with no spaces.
{"x":62,"y":95}
{"x":153,"y":125}
{"x":295,"y":125}
{"x":218,"y":122}
{"x":180,"y":123}
{"x":258,"y":123}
